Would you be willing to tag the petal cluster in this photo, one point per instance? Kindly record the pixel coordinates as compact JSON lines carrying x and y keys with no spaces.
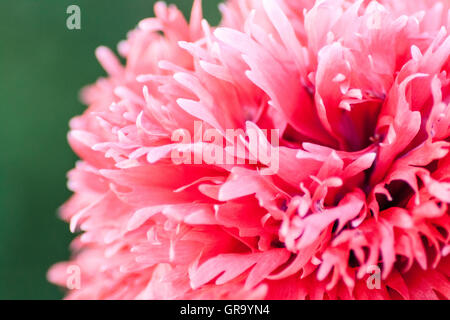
{"x":358,"y":208}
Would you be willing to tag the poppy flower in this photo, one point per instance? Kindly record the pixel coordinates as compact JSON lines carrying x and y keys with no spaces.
{"x":357,"y":207}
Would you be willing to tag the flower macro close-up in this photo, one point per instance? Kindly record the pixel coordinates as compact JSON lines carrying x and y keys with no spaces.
{"x":295,"y":150}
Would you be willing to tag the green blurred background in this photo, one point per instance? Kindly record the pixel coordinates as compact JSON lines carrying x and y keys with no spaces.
{"x":43,"y":65}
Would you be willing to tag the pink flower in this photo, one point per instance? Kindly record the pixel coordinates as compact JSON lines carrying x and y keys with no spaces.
{"x":359,"y":206}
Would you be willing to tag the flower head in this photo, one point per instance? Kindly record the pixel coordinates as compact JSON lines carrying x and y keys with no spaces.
{"x":358,"y":93}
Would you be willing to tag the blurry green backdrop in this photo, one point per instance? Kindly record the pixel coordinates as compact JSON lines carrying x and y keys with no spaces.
{"x":43,"y":65}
